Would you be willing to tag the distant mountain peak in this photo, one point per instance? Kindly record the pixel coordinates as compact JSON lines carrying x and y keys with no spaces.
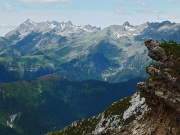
{"x":54,"y":22}
{"x":69,"y":23}
{"x":28,"y":21}
{"x":57,"y":28}
{"x":167,"y":23}
{"x":126,"y":23}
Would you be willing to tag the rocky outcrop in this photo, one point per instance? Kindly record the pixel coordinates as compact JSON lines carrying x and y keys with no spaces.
{"x":154,"y":110}
{"x":161,"y":93}
{"x":162,"y":90}
{"x":155,"y":52}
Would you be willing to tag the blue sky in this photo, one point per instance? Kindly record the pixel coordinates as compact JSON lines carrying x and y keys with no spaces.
{"x":100,"y":13}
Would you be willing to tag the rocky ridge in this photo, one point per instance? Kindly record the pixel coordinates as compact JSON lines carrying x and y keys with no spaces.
{"x":162,"y":91}
{"x":153,"y":110}
{"x":59,"y":28}
{"x":81,"y":52}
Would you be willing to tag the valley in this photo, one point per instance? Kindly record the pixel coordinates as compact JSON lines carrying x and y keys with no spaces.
{"x":54,"y":73}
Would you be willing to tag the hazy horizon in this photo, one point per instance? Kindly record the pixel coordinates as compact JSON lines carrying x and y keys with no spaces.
{"x":99,"y":13}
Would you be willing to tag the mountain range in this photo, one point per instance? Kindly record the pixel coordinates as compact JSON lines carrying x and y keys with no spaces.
{"x":54,"y":73}
{"x":114,"y":54}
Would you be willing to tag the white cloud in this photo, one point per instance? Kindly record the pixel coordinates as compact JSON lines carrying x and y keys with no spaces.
{"x":44,"y":1}
{"x":121,"y":12}
{"x":140,"y":2}
{"x":167,"y":16}
{"x":149,"y":11}
{"x":122,"y":7}
{"x":175,"y":1}
{"x":4,"y":29}
{"x":2,"y":25}
{"x":160,"y":14}
{"x":8,"y":8}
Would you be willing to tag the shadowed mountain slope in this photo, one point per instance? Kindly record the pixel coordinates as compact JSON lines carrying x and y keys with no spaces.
{"x":49,"y":103}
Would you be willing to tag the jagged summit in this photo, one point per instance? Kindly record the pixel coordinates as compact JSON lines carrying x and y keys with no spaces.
{"x":69,"y":23}
{"x":126,"y":23}
{"x":28,"y":21}
{"x":167,"y":22}
{"x":139,"y":32}
{"x":59,"y":28}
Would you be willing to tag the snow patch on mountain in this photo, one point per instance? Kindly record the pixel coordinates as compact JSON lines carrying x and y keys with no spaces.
{"x":137,"y":105}
{"x":12,"y":118}
{"x":63,"y":28}
{"x":107,"y":123}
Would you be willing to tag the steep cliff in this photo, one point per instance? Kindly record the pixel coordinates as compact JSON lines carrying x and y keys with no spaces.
{"x":162,"y":90}
{"x":153,"y":110}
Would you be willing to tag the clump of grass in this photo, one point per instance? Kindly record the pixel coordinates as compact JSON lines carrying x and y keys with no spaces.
{"x":84,"y":126}
{"x":118,"y":108}
{"x":171,"y":48}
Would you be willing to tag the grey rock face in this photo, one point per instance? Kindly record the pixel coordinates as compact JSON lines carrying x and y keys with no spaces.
{"x":155,"y":52}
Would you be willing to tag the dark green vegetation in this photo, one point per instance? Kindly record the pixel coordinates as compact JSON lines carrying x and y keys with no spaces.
{"x":49,"y":103}
{"x":118,"y":108}
{"x":171,"y":48}
{"x":86,"y":126}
